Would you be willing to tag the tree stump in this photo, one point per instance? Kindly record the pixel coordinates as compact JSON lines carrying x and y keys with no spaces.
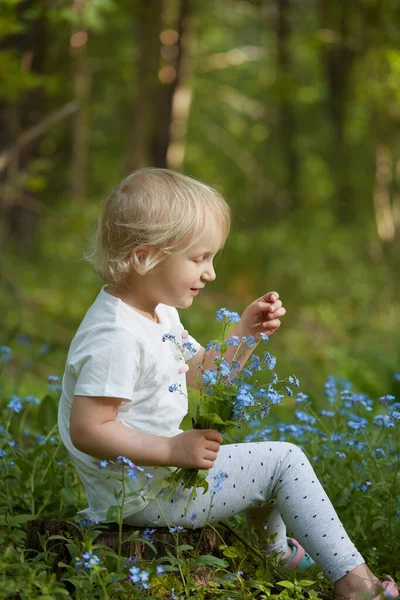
{"x":163,"y":541}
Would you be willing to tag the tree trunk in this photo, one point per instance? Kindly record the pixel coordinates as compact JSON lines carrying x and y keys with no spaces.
{"x":164,"y":542}
{"x":143,"y":115}
{"x":338,"y":56}
{"x":287,"y":122}
{"x":20,"y":213}
{"x":173,"y":54}
{"x":81,"y":83}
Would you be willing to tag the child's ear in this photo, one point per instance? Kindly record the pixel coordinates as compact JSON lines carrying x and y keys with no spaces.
{"x":139,"y":259}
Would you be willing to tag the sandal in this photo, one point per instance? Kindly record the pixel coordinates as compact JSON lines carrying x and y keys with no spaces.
{"x":299,"y":558}
{"x":389,"y":589}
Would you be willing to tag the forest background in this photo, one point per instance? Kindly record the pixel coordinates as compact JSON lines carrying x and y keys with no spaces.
{"x":290,"y":108}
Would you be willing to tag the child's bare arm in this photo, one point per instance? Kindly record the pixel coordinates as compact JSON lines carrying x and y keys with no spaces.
{"x":95,"y":431}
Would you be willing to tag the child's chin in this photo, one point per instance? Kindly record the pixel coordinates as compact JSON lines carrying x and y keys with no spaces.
{"x":185,"y":303}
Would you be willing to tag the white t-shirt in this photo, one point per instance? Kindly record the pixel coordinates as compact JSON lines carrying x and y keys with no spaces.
{"x":118,"y":352}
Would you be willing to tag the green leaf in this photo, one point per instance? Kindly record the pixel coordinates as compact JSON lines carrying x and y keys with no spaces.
{"x":223,"y":348}
{"x":305,"y":582}
{"x":207,"y":559}
{"x":47,"y":413}
{"x":286,"y":584}
{"x":173,"y":560}
{"x":15,"y":520}
{"x":211,"y":417}
{"x":185,"y":547}
{"x":57,"y":537}
{"x":231,"y":552}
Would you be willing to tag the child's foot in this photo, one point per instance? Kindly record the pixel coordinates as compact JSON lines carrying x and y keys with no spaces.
{"x":297,"y":558}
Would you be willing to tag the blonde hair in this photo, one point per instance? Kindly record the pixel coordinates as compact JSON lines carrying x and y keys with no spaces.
{"x":157,"y":208}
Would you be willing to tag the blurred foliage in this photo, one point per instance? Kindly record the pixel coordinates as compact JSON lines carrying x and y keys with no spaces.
{"x":293,"y":116}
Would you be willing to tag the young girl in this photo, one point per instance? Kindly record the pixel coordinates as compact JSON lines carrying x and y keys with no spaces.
{"x":157,"y":238}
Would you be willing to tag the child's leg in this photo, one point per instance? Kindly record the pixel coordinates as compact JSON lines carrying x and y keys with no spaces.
{"x":258,"y":472}
{"x":268,"y":524}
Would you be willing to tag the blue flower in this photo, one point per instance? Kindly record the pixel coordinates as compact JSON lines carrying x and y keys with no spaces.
{"x":147,"y":533}
{"x":340,"y":455}
{"x":396,"y":376}
{"x":174,"y":529}
{"x":327,"y":413}
{"x":395,"y":415}
{"x":250,"y":340}
{"x":23,"y":339}
{"x":269,"y":360}
{"x":336,"y":437}
{"x":357,"y":423}
{"x":233,"y":341}
{"x":231,"y":317}
{"x":264,"y":337}
{"x":380,"y":452}
{"x":255,"y":363}
{"x":44,"y":349}
{"x":273,"y":396}
{"x":304,"y":417}
{"x":2,"y":453}
{"x":193,"y":518}
{"x":244,"y":397}
{"x":225,"y":368}
{"x":32,"y":400}
{"x":388,"y":399}
{"x":330,"y":388}
{"x":210,"y":377}
{"x":219,"y":479}
{"x":103,"y":464}
{"x":15,"y":404}
{"x":88,"y":560}
{"x":174,"y":387}
{"x":383,"y":421}
{"x":190,"y":347}
{"x":168,"y":336}
{"x":212,"y":344}
{"x":160,"y":569}
{"x":53,"y":378}
{"x":5,"y":354}
{"x":123,"y":460}
{"x":139,"y":577}
{"x":300,"y":397}
{"x":365,"y":486}
{"x":132,"y":474}
{"x":86,"y":522}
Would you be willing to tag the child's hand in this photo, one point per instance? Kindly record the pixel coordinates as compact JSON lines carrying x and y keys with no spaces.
{"x":263,"y":315}
{"x":195,"y":449}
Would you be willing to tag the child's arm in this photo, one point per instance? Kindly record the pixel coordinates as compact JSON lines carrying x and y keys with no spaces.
{"x":261,"y":316}
{"x":95,"y":431}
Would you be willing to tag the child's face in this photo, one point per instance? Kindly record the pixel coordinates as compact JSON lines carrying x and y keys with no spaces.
{"x":178,"y":279}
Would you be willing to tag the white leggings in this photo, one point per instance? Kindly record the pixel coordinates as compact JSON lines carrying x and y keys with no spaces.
{"x":277,"y":486}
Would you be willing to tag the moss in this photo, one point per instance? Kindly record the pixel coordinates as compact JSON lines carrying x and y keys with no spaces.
{"x":162,"y":585}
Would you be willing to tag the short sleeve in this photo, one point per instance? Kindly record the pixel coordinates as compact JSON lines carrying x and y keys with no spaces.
{"x":111,"y":370}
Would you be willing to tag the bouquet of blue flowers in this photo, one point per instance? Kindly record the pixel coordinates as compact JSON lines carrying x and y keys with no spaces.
{"x":230,"y":394}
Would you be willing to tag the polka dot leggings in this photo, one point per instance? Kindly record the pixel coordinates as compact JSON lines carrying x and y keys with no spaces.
{"x":277,"y":487}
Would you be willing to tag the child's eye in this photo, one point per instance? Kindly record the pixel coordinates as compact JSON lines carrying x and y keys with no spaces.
{"x":197,"y":260}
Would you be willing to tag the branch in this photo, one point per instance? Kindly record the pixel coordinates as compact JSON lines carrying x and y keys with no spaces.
{"x":36,"y":131}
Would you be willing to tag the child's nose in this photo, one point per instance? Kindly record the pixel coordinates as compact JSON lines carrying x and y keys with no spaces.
{"x":209,"y":273}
